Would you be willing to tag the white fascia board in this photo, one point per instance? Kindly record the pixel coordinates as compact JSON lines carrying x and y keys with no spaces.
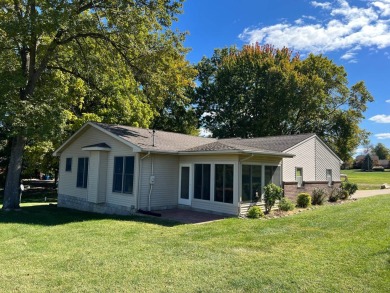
{"x":237,"y":152}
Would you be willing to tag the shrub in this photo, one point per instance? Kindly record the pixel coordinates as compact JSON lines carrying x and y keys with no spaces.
{"x":304,"y":200}
{"x":335,"y":194}
{"x":271,"y":194}
{"x":344,"y":194}
{"x":286,"y":205}
{"x":255,"y":212}
{"x":318,"y":196}
{"x":350,"y":187}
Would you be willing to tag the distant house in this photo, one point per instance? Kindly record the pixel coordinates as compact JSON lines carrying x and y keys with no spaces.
{"x":375,"y":159}
{"x":120,"y":169}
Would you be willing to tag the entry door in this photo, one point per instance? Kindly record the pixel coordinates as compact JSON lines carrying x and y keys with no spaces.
{"x":185,"y":185}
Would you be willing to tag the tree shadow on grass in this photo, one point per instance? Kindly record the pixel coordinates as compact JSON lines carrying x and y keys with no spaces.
{"x":51,"y":215}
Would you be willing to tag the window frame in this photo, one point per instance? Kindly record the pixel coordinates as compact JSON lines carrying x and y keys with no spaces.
{"x":224,"y":188}
{"x":252,"y":198}
{"x":330,"y":182}
{"x":123,"y":175}
{"x":202,"y":195}
{"x":298,"y":183}
{"x":83,"y":171}
{"x":258,"y":195}
{"x":68,"y":164}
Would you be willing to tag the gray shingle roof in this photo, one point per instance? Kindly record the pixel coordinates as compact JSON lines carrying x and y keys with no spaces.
{"x":176,"y":142}
{"x":163,"y":141}
{"x":272,"y":143}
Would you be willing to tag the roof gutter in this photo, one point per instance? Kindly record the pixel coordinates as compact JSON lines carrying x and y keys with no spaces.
{"x":237,"y":152}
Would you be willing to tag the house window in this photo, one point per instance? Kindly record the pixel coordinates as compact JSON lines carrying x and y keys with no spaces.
{"x":68,"y":165}
{"x":82,"y":173}
{"x":123,"y":175}
{"x":272,"y":175}
{"x":251,"y":182}
{"x":202,"y":181}
{"x":224,"y":183}
{"x":299,"y":176}
{"x":329,"y":176}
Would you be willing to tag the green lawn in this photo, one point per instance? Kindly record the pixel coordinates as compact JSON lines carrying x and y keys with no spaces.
{"x":342,"y":248}
{"x":368,"y":180}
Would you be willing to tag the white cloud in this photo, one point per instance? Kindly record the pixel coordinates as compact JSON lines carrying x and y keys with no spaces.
{"x":380,"y":118}
{"x":387,"y":101}
{"x":383,"y":7}
{"x":383,"y":135}
{"x":348,"y":56}
{"x":323,"y":5}
{"x":350,"y":28}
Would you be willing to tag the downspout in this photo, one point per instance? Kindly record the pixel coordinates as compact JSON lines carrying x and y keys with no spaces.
{"x":139,"y":179}
{"x":151,"y":182}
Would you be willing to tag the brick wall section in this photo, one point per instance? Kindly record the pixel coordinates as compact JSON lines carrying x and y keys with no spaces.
{"x":291,"y":190}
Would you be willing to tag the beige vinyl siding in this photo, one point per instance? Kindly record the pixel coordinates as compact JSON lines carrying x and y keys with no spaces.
{"x":305,"y":157}
{"x":217,"y":207}
{"x":67,"y":180}
{"x":165,"y":188}
{"x":325,"y":159}
{"x":93,"y":176}
{"x":102,"y":182}
{"x":122,"y":199}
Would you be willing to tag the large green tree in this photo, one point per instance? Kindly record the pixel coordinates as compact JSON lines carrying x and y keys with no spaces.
{"x":382,"y":151}
{"x":263,"y":91}
{"x":63,"y":61}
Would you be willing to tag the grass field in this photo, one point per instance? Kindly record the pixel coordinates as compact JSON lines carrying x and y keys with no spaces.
{"x":341,"y":248}
{"x":368,"y":180}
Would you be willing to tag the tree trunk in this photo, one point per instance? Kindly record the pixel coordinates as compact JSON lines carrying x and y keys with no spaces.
{"x":12,"y":183}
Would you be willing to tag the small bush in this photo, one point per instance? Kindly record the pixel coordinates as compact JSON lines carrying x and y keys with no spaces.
{"x":318,"y":196}
{"x":350,"y":187}
{"x":272,"y":193}
{"x":255,"y":212}
{"x":378,"y":168}
{"x":286,"y":205}
{"x":344,"y":194}
{"x":304,"y":200}
{"x":335,"y":194}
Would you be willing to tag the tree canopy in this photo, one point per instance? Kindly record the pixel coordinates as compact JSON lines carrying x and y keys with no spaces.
{"x":64,"y":62}
{"x":264,"y":91}
{"x":382,"y":151}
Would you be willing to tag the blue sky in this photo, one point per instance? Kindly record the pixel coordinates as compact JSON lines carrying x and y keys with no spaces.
{"x":354,"y":34}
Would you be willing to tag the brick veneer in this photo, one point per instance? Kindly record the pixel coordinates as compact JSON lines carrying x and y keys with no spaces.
{"x":291,"y":190}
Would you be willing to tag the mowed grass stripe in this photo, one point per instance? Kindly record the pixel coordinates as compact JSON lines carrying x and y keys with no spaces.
{"x":342,"y":248}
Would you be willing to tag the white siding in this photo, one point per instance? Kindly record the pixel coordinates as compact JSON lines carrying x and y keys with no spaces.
{"x":305,"y":158}
{"x":67,"y":180}
{"x":165,"y":188}
{"x":326,"y":160}
{"x":93,"y":176}
{"x":102,"y":182}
